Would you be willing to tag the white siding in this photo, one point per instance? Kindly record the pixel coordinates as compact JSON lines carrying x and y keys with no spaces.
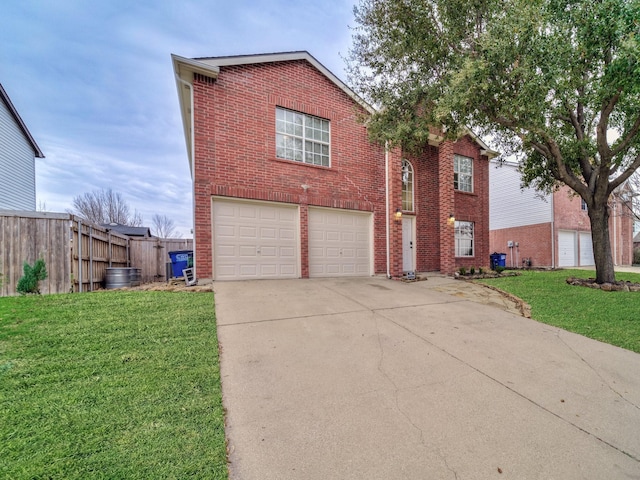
{"x":17,"y":165}
{"x":511,"y":206}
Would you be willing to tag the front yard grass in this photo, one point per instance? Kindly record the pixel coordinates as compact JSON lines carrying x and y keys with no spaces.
{"x":611,"y":317}
{"x":117,"y":384}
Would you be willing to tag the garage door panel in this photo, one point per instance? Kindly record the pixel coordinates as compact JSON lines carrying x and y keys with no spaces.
{"x":586,"y":249}
{"x":339,"y":243}
{"x":254,"y":240}
{"x":566,"y":249}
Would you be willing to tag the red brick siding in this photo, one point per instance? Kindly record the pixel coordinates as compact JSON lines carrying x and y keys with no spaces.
{"x":427,"y":208}
{"x":474,"y":207}
{"x":534,"y":242}
{"x":235,"y":149}
{"x":234,"y":125}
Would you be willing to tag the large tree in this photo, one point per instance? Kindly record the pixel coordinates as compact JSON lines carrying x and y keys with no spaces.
{"x":164,"y":227}
{"x":554,"y":82}
{"x":106,"y":206}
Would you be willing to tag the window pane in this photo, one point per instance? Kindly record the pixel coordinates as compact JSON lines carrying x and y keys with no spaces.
{"x":464,"y":239}
{"x":302,"y":137}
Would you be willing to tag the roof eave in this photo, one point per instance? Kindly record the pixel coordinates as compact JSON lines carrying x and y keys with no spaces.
{"x":5,"y":97}
{"x":285,"y":57}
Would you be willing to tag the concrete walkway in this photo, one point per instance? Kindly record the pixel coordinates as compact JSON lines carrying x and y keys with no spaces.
{"x":370,"y":378}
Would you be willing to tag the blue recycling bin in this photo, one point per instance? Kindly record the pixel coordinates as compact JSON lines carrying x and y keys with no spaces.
{"x":180,"y":259}
{"x":498,"y":260}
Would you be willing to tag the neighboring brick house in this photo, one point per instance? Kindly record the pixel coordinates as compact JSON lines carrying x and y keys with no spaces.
{"x":549,"y":230}
{"x":18,"y":151}
{"x":286,"y":183}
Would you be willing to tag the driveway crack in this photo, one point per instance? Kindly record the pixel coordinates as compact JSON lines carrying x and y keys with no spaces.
{"x":593,"y":369}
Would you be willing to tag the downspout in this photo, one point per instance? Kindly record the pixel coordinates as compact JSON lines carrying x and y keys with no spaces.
{"x":386,"y":193}
{"x":192,"y":166}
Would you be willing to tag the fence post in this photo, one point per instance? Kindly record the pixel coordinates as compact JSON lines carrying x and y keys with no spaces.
{"x":91,"y":259}
{"x":79,"y":256}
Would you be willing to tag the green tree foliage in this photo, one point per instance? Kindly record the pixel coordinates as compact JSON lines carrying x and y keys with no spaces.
{"x":554,"y":82}
{"x":30,"y":282}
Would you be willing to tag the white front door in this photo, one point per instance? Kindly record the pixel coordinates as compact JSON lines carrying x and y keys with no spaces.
{"x":408,"y":252}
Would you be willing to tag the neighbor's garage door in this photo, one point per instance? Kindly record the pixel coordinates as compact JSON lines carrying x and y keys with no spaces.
{"x":566,"y":249}
{"x":253,"y":240}
{"x":586,"y":249}
{"x":339,"y":243}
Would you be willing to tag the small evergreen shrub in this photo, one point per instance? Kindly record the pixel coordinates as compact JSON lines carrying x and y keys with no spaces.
{"x":481,"y":270}
{"x":462,"y":271}
{"x":636,"y":256}
{"x":472,"y":270}
{"x":499,"y":269}
{"x":30,"y":282}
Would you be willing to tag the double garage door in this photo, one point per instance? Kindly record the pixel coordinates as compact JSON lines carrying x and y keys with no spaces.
{"x":575,"y":249}
{"x":260,"y":240}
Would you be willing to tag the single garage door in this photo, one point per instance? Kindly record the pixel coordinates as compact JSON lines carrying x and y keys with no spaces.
{"x":586,"y":249}
{"x":254,"y":240}
{"x":566,"y":249}
{"x":339,"y":243}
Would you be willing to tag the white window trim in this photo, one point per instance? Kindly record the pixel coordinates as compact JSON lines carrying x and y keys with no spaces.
{"x":457,"y":188}
{"x":408,"y":172}
{"x":457,"y":239}
{"x":304,"y":139}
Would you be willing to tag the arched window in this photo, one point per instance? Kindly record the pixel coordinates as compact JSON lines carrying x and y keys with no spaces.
{"x":407,"y":186}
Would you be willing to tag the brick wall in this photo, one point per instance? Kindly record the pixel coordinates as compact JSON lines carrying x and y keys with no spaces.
{"x":534,"y":242}
{"x":234,"y":124}
{"x":235,"y":156}
{"x":474,"y":207}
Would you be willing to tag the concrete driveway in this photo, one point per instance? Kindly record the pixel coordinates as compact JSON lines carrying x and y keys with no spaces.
{"x":370,"y":378}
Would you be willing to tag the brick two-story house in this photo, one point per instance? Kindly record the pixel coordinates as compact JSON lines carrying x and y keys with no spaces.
{"x":550,"y":230}
{"x":286,"y":183}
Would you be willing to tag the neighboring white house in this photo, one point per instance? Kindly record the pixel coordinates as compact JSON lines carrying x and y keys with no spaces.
{"x":549,"y":230}
{"x":18,"y":151}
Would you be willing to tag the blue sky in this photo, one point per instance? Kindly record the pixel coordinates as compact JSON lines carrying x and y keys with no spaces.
{"x":93,"y":82}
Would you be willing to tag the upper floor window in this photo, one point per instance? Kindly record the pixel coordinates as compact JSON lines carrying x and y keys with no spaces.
{"x":463,"y":173}
{"x":583,"y":205}
{"x":407,"y":186}
{"x":302,"y":138}
{"x":464,"y":239}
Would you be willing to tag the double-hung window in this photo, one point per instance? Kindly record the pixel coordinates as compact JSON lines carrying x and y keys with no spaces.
{"x":302,"y":138}
{"x":464,"y":239}
{"x":463,"y":173}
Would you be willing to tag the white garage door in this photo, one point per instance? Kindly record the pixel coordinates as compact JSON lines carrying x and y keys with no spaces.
{"x":586,"y":249}
{"x":339,"y":243}
{"x":566,"y":249}
{"x":253,"y":240}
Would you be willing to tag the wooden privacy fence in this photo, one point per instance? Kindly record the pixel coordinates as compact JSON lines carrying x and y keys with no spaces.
{"x":76,"y":253}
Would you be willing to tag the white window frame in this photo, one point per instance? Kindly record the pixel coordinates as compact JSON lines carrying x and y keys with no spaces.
{"x":408,"y":186}
{"x":303,"y":138}
{"x":465,"y":246}
{"x":583,"y":205}
{"x":462,"y":179}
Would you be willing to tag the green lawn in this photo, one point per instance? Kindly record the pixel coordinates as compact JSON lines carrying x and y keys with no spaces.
{"x":611,"y":317}
{"x":113,"y":385}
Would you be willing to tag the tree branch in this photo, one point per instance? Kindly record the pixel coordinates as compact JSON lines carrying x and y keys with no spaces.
{"x":625,"y":175}
{"x":603,"y":125}
{"x":631,"y":134}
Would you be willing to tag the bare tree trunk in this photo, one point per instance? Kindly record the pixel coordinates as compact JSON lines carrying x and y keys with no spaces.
{"x":602,"y":244}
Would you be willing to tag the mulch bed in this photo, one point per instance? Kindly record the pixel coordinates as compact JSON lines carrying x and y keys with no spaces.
{"x":607,"y":287}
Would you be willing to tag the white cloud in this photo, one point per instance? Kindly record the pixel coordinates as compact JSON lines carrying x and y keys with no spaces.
{"x":93,"y":81}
